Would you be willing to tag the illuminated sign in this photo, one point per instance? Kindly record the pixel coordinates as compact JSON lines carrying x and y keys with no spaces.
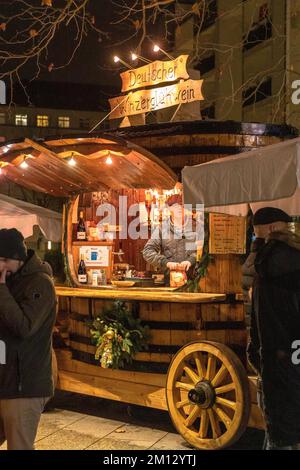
{"x":140,"y":102}
{"x":155,"y":73}
{"x":144,"y":101}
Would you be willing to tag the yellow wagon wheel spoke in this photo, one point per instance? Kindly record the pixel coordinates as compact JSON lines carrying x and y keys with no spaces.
{"x":192,"y":374}
{"x":220,"y":376}
{"x":228,"y":403}
{"x":184,"y":386}
{"x":203,"y":430}
{"x":214,"y":423}
{"x":182,"y":403}
{"x":208,"y":395}
{"x":194,"y":414}
{"x":225,"y":388}
{"x":200,"y":364}
{"x":211,"y":367}
{"x":223,"y":416}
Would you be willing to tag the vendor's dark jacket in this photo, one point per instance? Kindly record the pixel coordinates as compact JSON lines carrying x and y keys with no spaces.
{"x":27,"y":317}
{"x":275,"y":325}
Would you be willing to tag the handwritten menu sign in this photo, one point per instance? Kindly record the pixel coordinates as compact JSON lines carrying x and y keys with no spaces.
{"x":227,"y":234}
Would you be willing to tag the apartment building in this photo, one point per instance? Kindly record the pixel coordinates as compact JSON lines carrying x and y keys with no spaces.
{"x":247,"y":52}
{"x":54,"y":109}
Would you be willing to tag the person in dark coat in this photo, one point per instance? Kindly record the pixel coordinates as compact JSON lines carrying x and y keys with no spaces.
{"x":275,"y":326}
{"x":27,"y":317}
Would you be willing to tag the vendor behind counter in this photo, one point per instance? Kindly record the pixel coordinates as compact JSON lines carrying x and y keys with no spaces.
{"x":173,"y":246}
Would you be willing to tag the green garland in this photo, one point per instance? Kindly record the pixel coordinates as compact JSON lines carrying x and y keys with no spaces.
{"x":201,"y":267}
{"x":118,"y":336}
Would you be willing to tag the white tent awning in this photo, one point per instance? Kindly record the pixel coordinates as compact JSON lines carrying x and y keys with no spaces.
{"x":23,"y":216}
{"x":265,"y":176}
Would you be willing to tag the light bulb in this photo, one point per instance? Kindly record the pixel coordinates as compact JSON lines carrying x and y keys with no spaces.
{"x":133,"y":56}
{"x":24,"y":165}
{"x":156,"y":48}
{"x":72,"y":162}
{"x":116,"y":59}
{"x":108,"y":160}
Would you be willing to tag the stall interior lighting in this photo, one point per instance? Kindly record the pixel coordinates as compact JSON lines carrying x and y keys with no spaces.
{"x":24,"y":165}
{"x":72,"y":161}
{"x":108,"y":161}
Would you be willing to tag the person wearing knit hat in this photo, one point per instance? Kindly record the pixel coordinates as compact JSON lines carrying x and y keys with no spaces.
{"x":275,"y":325}
{"x":12,"y":244}
{"x":27,"y":317}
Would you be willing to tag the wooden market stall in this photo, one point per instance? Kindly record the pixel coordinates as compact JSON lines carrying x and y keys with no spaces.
{"x":195,"y":365}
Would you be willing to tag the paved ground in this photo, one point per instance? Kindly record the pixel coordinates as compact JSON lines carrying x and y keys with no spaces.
{"x":78,"y":422}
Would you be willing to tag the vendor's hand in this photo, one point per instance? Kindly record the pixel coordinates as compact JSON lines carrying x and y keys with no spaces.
{"x":185,"y":265}
{"x":3,"y":276}
{"x":172,"y":266}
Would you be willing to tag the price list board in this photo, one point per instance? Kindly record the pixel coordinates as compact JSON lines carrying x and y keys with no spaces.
{"x":227,"y":234}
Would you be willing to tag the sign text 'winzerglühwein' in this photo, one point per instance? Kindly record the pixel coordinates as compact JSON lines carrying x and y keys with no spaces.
{"x":144,"y":101}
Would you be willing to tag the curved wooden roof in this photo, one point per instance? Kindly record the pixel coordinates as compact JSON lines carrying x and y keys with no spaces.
{"x":49,"y":171}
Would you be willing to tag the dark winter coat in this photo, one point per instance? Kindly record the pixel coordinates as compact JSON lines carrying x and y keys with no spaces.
{"x":27,"y":316}
{"x":248,"y":271}
{"x":275,"y":326}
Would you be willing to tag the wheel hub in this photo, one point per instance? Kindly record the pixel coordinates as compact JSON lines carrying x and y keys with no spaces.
{"x":202,"y":395}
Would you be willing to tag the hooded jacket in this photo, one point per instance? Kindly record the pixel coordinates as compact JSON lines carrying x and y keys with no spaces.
{"x":275,"y":326}
{"x":27,"y":317}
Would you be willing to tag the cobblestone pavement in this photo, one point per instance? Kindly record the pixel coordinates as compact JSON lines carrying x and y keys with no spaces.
{"x":76,"y":422}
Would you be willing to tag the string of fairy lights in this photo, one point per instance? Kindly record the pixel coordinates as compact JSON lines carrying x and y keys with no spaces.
{"x":25,"y":159}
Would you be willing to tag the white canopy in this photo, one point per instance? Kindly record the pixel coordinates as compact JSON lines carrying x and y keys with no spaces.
{"x":268,"y":176}
{"x":23,"y":216}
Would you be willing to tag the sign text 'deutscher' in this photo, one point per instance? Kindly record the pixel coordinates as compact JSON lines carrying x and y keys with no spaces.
{"x":144,"y":101}
{"x":155,"y":73}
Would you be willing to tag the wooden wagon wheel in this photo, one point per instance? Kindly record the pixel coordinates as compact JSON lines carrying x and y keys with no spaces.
{"x":208,"y":395}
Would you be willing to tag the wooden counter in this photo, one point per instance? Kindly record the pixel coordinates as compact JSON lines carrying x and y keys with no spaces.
{"x":155,"y":294}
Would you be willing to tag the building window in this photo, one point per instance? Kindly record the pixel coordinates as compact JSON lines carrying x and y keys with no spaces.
{"x":21,"y":119}
{"x":258,"y":93}
{"x":206,"y":65}
{"x":63,"y":121}
{"x":84,"y":123}
{"x":42,"y":121}
{"x":209,"y":112}
{"x":2,"y":118}
{"x":258,"y":34}
{"x":205,"y":19}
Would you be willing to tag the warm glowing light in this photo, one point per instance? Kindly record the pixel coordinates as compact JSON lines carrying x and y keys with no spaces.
{"x":0,"y":170}
{"x":156,"y":48}
{"x":116,"y":59}
{"x":24,"y":165}
{"x":108,"y":160}
{"x":49,"y":245}
{"x":134,"y":56}
{"x":72,"y":161}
